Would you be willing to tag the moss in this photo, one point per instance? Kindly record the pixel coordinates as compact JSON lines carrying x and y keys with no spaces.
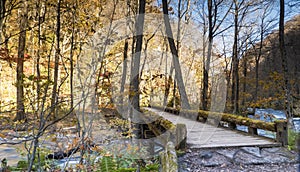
{"x":180,"y":153}
{"x":293,"y":139}
{"x":160,"y":121}
{"x":22,"y":164}
{"x":231,"y":118}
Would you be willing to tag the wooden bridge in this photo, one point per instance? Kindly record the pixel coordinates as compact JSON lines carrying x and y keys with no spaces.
{"x":202,"y":135}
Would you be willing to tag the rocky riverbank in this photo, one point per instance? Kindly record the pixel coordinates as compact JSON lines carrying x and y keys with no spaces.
{"x":241,"y":159}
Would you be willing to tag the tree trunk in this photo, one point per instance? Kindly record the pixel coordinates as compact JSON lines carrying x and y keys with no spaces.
{"x":38,"y":57}
{"x":235,"y":61}
{"x":123,"y":80}
{"x":134,"y":96}
{"x":2,"y":16}
{"x":207,"y":62}
{"x":178,"y":46}
{"x":287,"y":86}
{"x":71,"y":59}
{"x":32,"y":155}
{"x":245,"y":79}
{"x":257,"y":59}
{"x":203,"y":97}
{"x":20,"y":64}
{"x":178,"y":75}
{"x":256,"y":80}
{"x":168,"y":78}
{"x":134,"y":84}
{"x":56,"y":63}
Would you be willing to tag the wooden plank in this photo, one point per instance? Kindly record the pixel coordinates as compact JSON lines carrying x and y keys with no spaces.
{"x":202,"y":135}
{"x":232,"y":145}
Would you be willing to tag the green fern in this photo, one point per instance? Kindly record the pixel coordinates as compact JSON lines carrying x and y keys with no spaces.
{"x":107,"y":164}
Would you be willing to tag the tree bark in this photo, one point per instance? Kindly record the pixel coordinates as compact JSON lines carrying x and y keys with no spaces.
{"x":203,"y":94}
{"x":235,"y":61}
{"x":168,"y":80}
{"x":134,"y":95}
{"x":123,"y":72}
{"x":2,"y":16}
{"x":287,"y":86}
{"x":71,"y":58}
{"x":209,"y":50}
{"x":56,"y":62}
{"x":245,"y":80}
{"x":178,"y":75}
{"x":20,"y":64}
{"x":134,"y":84}
{"x":38,"y":57}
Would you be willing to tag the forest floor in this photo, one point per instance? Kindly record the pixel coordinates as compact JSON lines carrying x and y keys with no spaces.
{"x":60,"y":137}
{"x":243,"y":159}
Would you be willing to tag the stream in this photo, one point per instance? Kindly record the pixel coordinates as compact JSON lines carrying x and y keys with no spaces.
{"x":268,"y":115}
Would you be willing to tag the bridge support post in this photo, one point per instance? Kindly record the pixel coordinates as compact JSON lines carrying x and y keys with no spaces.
{"x":252,"y":131}
{"x":231,"y":125}
{"x":281,"y":132}
{"x":180,"y":137}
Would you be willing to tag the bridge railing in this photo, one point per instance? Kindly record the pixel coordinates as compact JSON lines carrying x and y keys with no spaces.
{"x":231,"y":121}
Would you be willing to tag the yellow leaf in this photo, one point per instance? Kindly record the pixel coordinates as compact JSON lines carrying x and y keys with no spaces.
{"x":2,"y":136}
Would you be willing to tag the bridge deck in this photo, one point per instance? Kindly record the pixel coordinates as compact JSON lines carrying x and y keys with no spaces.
{"x":201,"y":135}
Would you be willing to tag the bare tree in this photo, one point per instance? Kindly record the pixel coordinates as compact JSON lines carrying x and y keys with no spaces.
{"x":240,"y":11}
{"x":265,"y":25}
{"x":217,"y":11}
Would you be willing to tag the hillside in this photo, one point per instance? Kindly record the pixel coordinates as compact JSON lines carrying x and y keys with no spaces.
{"x":270,"y":67}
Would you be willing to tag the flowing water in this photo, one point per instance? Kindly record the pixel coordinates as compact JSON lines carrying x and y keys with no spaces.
{"x":268,"y":115}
